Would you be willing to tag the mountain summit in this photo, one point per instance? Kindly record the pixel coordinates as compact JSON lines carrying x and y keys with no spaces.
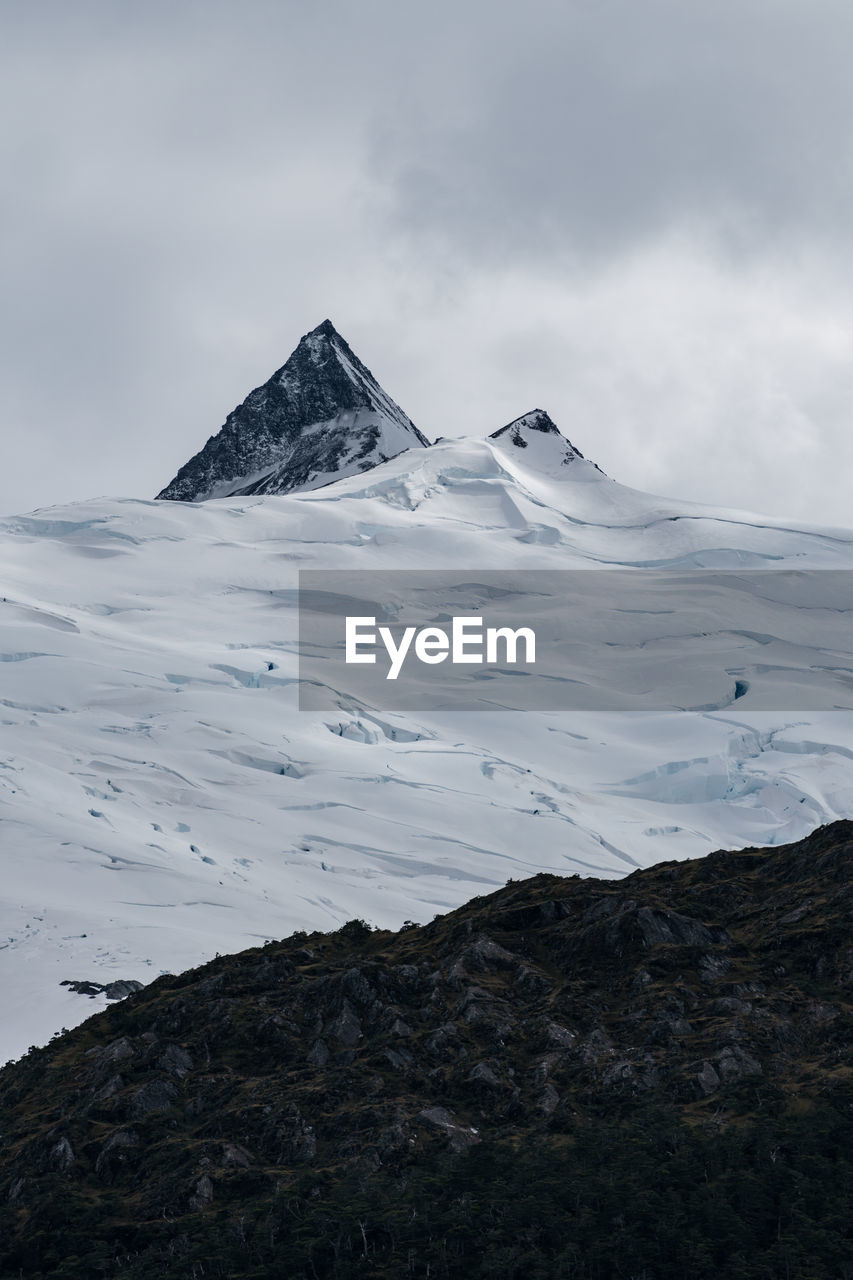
{"x":529,"y":429}
{"x":548,"y":449}
{"x":320,"y":417}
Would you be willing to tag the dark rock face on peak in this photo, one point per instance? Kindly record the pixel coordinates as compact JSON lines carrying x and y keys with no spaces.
{"x":536,"y":428}
{"x":320,"y":417}
{"x":570,"y":1077}
{"x":535,"y":420}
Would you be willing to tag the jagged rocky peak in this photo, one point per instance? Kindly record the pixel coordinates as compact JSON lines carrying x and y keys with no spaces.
{"x":320,"y":417}
{"x":538,"y":429}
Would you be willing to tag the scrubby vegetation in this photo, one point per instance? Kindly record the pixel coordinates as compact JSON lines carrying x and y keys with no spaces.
{"x":648,"y":1079}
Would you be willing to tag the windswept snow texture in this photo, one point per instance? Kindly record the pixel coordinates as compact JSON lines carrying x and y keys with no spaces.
{"x":163,"y":799}
{"x":321,"y":416}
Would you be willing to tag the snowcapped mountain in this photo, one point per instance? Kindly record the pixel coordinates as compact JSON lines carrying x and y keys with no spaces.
{"x":163,"y":798}
{"x":321,"y":416}
{"x":549,"y":449}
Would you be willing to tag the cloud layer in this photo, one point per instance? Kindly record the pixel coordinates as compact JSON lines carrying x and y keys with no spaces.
{"x":633,"y":215}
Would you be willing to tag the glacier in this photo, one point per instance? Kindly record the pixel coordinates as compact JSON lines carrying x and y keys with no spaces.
{"x":163,"y":798}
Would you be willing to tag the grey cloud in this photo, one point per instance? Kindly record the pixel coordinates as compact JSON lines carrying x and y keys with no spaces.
{"x":609,"y":207}
{"x":589,"y":127}
{"x":171,"y":180}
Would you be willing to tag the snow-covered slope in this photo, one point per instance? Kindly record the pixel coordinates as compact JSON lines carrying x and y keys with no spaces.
{"x":321,"y":416}
{"x":162,"y":798}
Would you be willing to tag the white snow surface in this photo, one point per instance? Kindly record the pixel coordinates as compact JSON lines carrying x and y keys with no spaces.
{"x":163,"y":799}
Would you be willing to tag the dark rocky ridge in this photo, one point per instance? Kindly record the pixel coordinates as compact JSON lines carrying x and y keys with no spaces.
{"x":534,"y":420}
{"x":524,"y":431}
{"x":112,"y":990}
{"x":369,"y":1103}
{"x":271,"y":442}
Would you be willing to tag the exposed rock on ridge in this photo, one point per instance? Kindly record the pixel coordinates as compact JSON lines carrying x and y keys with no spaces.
{"x":538,"y":429}
{"x":321,"y":416}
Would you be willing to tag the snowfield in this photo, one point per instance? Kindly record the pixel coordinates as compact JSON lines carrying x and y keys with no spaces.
{"x":163,"y":799}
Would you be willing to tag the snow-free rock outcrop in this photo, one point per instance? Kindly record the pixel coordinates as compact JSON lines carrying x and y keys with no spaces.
{"x":320,"y":417}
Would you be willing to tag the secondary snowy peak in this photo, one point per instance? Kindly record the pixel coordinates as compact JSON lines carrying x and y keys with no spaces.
{"x":320,"y":417}
{"x":535,"y":420}
{"x":537,"y":432}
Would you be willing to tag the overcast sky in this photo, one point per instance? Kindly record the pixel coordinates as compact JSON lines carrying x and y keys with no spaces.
{"x":634,"y":215}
